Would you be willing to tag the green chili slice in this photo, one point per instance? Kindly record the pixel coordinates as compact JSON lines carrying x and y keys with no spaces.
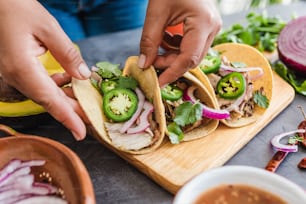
{"x":120,"y":104}
{"x":231,"y":86}
{"x":210,"y":64}
{"x":171,"y":93}
{"x":107,"y":85}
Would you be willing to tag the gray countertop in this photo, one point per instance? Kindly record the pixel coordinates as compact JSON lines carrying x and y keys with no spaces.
{"x":115,"y":180}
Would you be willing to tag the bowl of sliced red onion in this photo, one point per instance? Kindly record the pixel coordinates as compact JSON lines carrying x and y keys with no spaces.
{"x":35,"y":169}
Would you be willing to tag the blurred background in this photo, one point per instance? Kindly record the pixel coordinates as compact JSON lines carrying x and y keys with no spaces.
{"x":232,"y":6}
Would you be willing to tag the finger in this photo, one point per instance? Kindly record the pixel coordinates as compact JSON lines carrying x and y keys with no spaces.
{"x":61,"y":79}
{"x":192,"y":47}
{"x":35,"y":83}
{"x":69,"y":92}
{"x":165,"y":60}
{"x":74,"y":103}
{"x":151,"y":37}
{"x":63,"y":50}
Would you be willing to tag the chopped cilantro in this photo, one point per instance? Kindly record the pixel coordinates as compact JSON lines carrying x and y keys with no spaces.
{"x":175,"y":133}
{"x":127,"y":82}
{"x":261,"y":100}
{"x":108,"y":70}
{"x":294,"y":139}
{"x":296,"y":81}
{"x":187,"y":113}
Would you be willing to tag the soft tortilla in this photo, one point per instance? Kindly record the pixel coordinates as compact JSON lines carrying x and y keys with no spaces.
{"x":205,"y":97}
{"x":91,"y":102}
{"x":252,"y":58}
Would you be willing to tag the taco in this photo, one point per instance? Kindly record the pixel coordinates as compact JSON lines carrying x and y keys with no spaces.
{"x":240,"y":79}
{"x":191,"y":112}
{"x":124,"y":106}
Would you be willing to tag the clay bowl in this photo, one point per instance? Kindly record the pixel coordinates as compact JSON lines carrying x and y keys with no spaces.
{"x":62,"y":164}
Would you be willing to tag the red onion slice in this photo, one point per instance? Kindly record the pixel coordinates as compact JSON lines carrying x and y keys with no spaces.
{"x":51,"y":189}
{"x":18,"y":185}
{"x":21,"y":182}
{"x":213,"y":113}
{"x":9,"y":168}
{"x":238,"y":101}
{"x":206,"y":111}
{"x":14,"y":175}
{"x":285,"y":147}
{"x":130,"y":122}
{"x":143,"y":119}
{"x":246,"y":69}
{"x":291,"y":45}
{"x":42,"y":199}
{"x":32,"y":163}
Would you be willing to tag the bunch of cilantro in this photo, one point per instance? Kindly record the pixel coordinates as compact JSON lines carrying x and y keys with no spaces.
{"x":261,"y":31}
{"x":296,"y":81}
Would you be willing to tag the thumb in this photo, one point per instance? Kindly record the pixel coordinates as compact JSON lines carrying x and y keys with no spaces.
{"x":64,"y":51}
{"x":151,"y":38}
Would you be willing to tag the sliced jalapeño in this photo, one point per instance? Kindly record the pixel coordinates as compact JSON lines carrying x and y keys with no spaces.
{"x":120,"y":104}
{"x":231,"y":86}
{"x":171,"y":93}
{"x":210,"y":64}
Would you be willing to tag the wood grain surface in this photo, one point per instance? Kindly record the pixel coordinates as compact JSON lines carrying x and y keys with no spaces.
{"x":171,"y":166}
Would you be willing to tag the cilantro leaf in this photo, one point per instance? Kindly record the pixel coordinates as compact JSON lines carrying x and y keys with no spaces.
{"x":261,"y":100}
{"x":298,"y":83}
{"x":175,"y":133}
{"x":108,"y":70}
{"x":294,"y":139}
{"x":238,"y":64}
{"x":187,"y":113}
{"x":127,"y":82}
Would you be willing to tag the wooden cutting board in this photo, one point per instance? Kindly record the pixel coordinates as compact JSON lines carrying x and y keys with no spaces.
{"x":173,"y":165}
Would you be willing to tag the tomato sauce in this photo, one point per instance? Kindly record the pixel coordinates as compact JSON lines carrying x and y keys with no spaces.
{"x":238,"y":194}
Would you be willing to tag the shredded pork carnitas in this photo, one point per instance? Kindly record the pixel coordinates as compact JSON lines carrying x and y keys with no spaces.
{"x":170,"y":107}
{"x":240,"y":107}
{"x":134,"y":141}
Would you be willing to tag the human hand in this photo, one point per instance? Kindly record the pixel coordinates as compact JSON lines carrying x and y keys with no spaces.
{"x":201,"y":22}
{"x":27,"y":31}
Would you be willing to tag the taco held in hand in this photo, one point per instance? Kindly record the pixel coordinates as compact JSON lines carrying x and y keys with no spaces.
{"x":124,"y":107}
{"x":240,"y":79}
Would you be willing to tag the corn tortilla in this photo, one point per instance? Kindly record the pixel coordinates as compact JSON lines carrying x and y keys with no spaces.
{"x":91,"y":101}
{"x":249,"y":55}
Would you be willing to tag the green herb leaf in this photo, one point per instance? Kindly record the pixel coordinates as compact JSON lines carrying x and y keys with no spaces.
{"x":260,"y":31}
{"x":261,"y":100}
{"x":238,"y":64}
{"x":298,"y":83}
{"x":108,"y":70}
{"x":187,"y":113}
{"x":295,"y":139}
{"x":175,"y":133}
{"x":127,"y":82}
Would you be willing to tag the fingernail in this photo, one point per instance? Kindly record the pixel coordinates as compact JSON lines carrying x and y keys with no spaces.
{"x":76,"y":136}
{"x":163,"y":86}
{"x":141,"y":61}
{"x":84,"y":71}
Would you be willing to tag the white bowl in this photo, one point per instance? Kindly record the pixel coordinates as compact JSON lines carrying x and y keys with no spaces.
{"x":251,"y":176}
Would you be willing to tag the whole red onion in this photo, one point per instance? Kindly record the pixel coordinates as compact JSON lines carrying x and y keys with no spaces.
{"x":291,"y":45}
